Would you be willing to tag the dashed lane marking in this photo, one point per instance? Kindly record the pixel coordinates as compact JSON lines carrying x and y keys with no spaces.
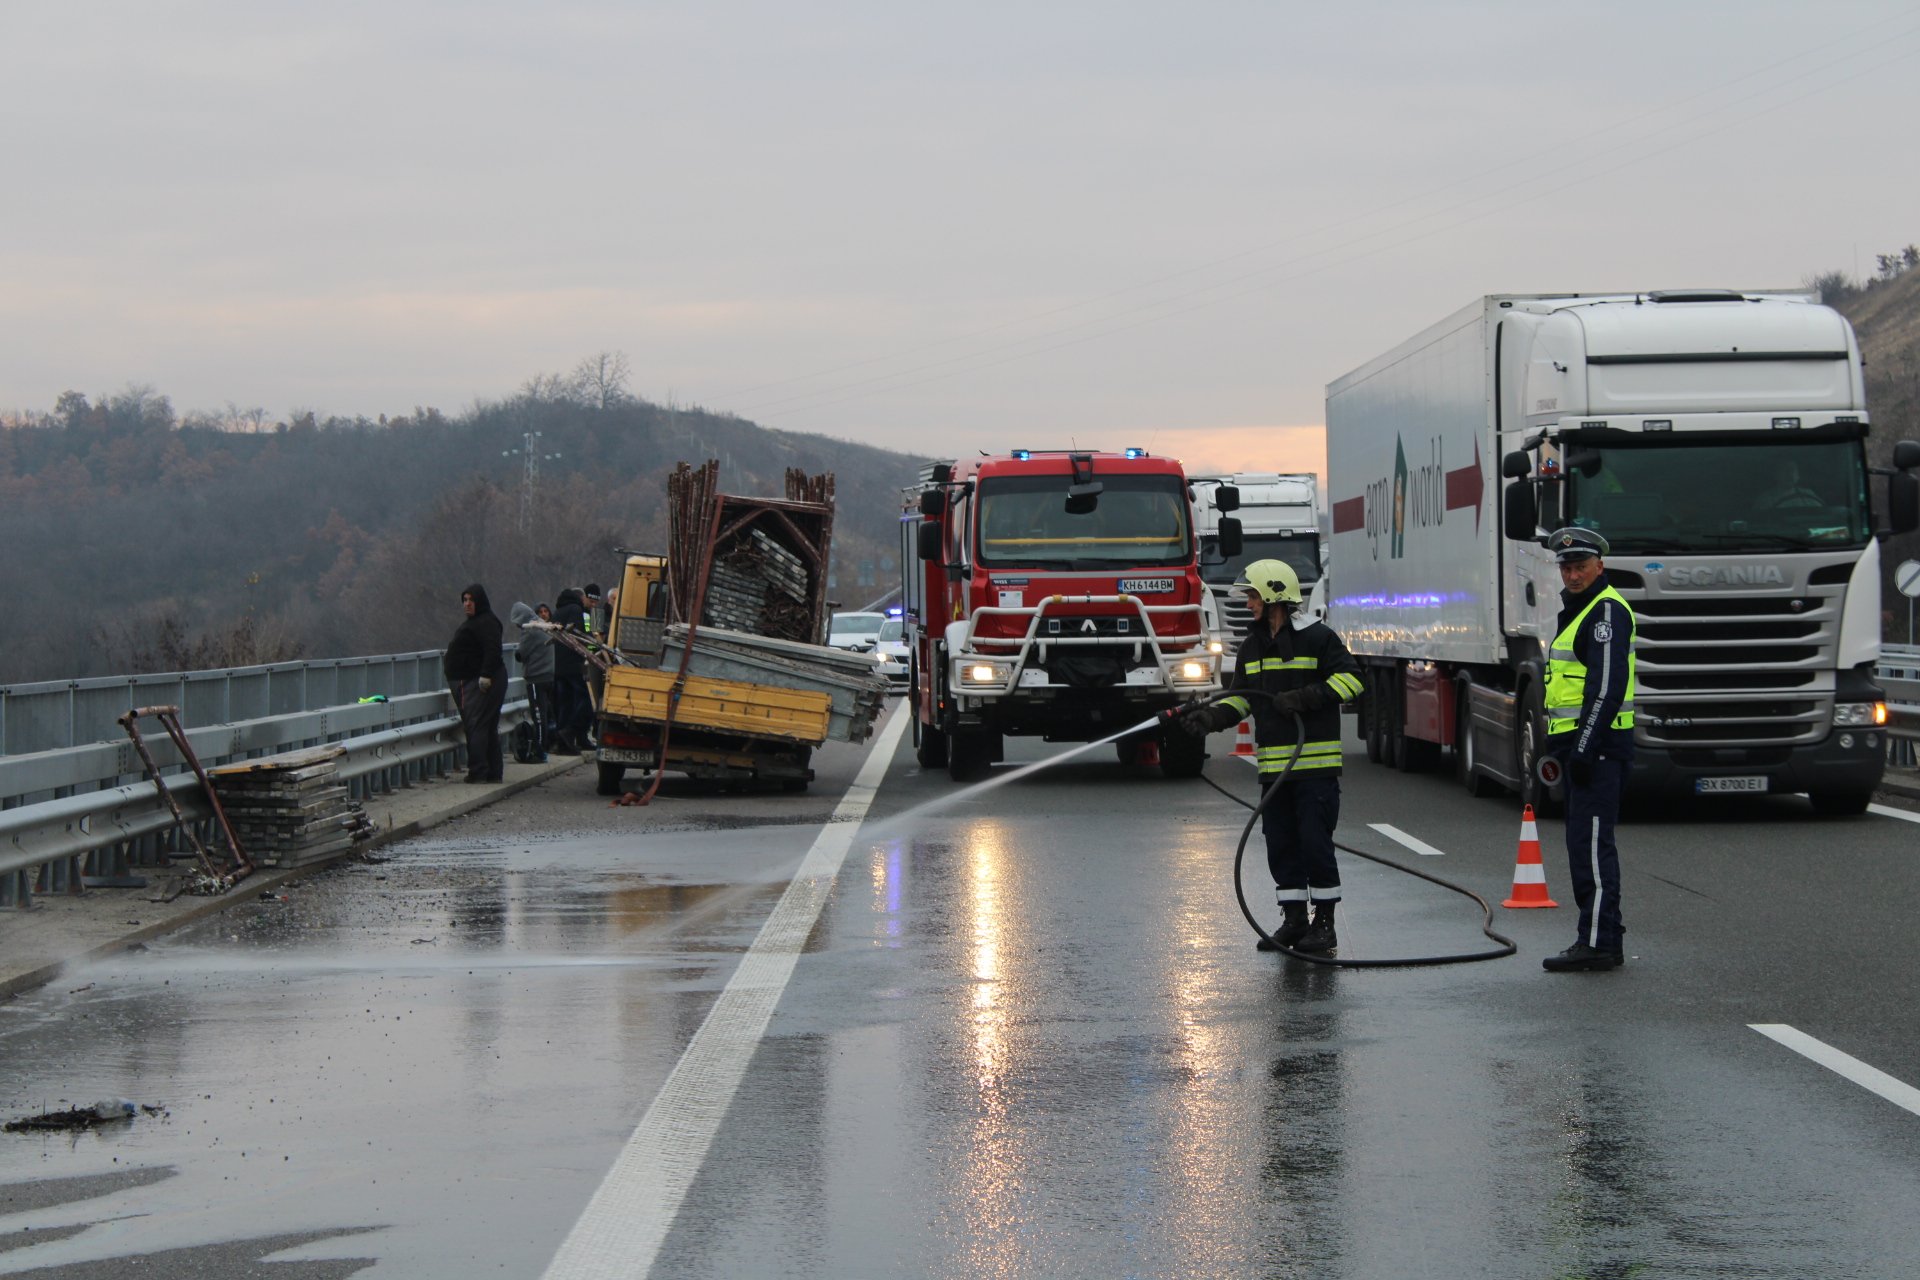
{"x":1420,"y":847}
{"x":624,"y":1225}
{"x":1888,"y":811}
{"x":1872,"y":1079}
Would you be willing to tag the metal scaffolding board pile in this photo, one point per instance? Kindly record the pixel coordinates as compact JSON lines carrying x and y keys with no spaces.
{"x":293,"y":809}
{"x":851,"y":680}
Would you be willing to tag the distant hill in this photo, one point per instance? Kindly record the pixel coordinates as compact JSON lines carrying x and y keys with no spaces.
{"x":136,"y":542}
{"x":1886,"y":317}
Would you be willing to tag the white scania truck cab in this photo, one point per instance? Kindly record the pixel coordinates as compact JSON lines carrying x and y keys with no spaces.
{"x":1279,"y":516}
{"x":1716,"y":439}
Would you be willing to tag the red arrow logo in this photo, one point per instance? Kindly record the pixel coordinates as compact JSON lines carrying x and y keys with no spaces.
{"x":1466,"y":486}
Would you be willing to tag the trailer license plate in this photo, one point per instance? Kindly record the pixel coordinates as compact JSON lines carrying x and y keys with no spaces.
{"x":1729,"y":784}
{"x":1145,"y":586}
{"x":625,"y":755}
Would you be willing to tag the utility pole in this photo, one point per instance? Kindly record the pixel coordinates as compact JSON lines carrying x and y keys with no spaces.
{"x":530,"y":479}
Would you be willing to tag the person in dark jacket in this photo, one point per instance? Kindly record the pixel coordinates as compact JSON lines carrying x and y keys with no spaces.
{"x":535,"y":652}
{"x":1590,"y":691}
{"x":477,"y":674}
{"x":573,"y":706}
{"x":1284,"y":670}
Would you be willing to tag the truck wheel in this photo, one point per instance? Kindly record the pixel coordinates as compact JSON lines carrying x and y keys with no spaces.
{"x":1840,"y":804}
{"x":968,"y":756}
{"x":1465,"y":757}
{"x":1182,"y":755}
{"x":610,"y":776}
{"x":931,"y":751}
{"x":1531,"y":745}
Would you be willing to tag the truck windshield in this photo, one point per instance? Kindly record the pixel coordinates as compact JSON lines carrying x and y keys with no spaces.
{"x":1303,"y":554}
{"x":1138,"y":521}
{"x":1723,"y":497}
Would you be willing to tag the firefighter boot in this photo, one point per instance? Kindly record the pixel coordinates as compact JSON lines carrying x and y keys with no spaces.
{"x":1291,"y":929}
{"x":1320,"y":939}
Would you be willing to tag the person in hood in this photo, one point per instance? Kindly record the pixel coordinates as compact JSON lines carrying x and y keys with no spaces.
{"x":477,"y":675}
{"x":535,"y":652}
{"x":573,"y":705}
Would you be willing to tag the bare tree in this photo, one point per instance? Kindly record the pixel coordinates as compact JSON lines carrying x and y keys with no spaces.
{"x":602,"y":379}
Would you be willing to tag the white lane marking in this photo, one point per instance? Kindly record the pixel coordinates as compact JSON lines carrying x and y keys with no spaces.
{"x":623,"y":1226}
{"x":1420,"y":847}
{"x":1888,"y":811}
{"x":1872,"y":1079}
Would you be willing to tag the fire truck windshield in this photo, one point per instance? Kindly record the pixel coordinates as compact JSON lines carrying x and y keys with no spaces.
{"x":1139,"y":521}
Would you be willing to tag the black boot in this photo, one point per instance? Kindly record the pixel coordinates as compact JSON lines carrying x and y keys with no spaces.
{"x":1292,"y":928}
{"x":1581,"y":958}
{"x":1320,"y":939}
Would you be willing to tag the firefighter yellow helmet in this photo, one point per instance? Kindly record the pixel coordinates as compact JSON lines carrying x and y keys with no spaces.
{"x":1275,"y":580}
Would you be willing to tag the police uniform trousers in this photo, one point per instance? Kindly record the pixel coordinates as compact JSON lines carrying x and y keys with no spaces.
{"x":1593,"y":860}
{"x":1298,"y":823}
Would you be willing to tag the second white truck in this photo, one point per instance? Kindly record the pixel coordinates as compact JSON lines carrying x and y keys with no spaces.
{"x":1279,"y":517}
{"x":1716,"y":439}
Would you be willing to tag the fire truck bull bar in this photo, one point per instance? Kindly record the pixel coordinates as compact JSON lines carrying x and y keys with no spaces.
{"x":966,"y":656}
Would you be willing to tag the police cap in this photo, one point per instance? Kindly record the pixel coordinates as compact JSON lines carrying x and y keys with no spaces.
{"x":1573,"y":543}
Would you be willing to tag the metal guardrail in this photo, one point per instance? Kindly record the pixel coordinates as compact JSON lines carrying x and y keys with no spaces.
{"x":52,"y":715}
{"x":61,"y":843}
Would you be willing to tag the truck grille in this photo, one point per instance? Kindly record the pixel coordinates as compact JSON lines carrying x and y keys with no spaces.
{"x":1721,"y":670}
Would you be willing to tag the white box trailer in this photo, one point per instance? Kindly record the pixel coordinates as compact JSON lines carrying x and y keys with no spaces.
{"x":1666,"y":421}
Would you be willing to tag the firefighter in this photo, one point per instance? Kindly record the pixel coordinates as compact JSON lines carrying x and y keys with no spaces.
{"x":1590,"y":689}
{"x":1287,"y":667}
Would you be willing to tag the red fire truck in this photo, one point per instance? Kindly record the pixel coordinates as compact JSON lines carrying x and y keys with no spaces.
{"x":1055,"y":594}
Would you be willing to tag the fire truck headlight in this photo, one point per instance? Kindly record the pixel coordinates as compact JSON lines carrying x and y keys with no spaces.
{"x":1194,"y":670}
{"x":1216,"y":646}
{"x":984,"y":673}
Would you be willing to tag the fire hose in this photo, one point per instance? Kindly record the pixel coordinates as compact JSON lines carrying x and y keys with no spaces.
{"x":1507,"y":946}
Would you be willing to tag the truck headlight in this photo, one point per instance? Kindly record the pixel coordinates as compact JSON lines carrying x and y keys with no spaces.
{"x":984,"y":673}
{"x":1859,"y":713}
{"x":1215,"y":646}
{"x":1192,"y":670}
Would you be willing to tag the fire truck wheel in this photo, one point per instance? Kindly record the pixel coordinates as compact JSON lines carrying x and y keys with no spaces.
{"x":610,"y":776}
{"x":969,"y":755}
{"x":1182,"y":755}
{"x":931,"y":751}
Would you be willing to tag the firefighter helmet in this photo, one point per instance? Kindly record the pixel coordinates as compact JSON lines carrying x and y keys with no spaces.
{"x":1275,"y":580}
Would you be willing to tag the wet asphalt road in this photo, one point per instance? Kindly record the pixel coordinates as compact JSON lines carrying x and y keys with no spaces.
{"x":1029,"y":1036}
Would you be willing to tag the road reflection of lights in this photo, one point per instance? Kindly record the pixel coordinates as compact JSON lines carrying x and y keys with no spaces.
{"x":986,"y":928}
{"x":883,"y":869}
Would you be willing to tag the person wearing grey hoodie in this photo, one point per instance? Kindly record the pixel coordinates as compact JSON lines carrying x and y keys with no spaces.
{"x":535,"y":652}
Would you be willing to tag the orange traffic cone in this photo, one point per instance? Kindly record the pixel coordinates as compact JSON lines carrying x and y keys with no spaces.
{"x":1243,"y":739}
{"x":1529,"y":875}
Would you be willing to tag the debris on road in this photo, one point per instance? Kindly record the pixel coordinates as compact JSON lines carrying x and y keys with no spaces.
{"x":77,"y":1119}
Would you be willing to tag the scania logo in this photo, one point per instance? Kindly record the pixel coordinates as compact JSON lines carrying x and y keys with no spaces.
{"x":1739,"y":575}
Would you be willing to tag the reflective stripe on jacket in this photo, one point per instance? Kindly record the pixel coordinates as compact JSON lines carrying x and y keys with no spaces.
{"x":1311,"y":659}
{"x":1590,"y":672}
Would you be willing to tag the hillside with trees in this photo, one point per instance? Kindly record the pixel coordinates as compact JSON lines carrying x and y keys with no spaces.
{"x":139,"y":541}
{"x":1885,"y":313}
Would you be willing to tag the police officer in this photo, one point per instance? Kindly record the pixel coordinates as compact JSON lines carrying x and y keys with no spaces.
{"x":1590,"y":689}
{"x":1286,"y":668}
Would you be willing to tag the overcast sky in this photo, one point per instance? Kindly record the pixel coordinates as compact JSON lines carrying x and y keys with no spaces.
{"x":930,"y":227}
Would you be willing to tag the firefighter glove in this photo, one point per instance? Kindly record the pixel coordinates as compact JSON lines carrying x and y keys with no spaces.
{"x":1292,"y":702}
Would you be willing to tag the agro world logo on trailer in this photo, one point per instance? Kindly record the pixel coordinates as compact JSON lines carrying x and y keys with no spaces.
{"x":1411,"y":499}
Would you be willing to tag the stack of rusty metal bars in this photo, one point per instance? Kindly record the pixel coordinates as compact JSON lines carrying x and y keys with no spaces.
{"x":768,"y":556}
{"x":291,"y":809}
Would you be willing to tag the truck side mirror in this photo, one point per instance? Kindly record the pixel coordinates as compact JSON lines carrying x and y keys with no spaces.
{"x":1906,"y":455}
{"x":928,"y":541}
{"x":1516,"y":465}
{"x":1226,"y":498}
{"x":1903,"y":501}
{"x":1228,"y":537}
{"x":933,"y":502}
{"x":1520,"y":517}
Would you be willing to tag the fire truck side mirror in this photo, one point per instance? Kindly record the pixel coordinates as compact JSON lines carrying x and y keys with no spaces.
{"x":1228,"y":538}
{"x":928,"y":544}
{"x":933,"y":502}
{"x":1520,"y":516}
